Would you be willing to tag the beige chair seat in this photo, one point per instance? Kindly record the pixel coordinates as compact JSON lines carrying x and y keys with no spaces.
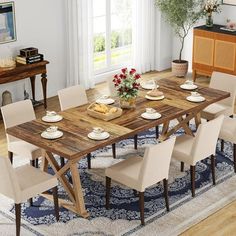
{"x":228,"y":129}
{"x":33,"y":182}
{"x":126,"y":172}
{"x":183,"y":148}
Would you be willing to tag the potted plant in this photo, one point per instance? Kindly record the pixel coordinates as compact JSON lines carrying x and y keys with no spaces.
{"x":181,"y":15}
{"x":127,"y":86}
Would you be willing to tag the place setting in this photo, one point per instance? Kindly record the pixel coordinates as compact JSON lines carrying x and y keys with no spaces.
{"x":52,"y":133}
{"x":196,"y":97}
{"x":98,"y":134}
{"x":151,"y":114}
{"x":105,"y":99}
{"x":189,"y":85}
{"x":52,"y":117}
{"x":149,"y":84}
{"x":155,"y":95}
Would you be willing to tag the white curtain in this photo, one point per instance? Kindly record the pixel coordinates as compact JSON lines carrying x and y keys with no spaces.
{"x":79,"y":25}
{"x":144,"y":35}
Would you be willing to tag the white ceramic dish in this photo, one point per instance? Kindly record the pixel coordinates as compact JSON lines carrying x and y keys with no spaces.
{"x":102,"y":136}
{"x":52,"y":119}
{"x":148,"y":86}
{"x":196,"y":99}
{"x":54,"y":135}
{"x":154,"y":98}
{"x":188,"y":87}
{"x":151,"y":116}
{"x":106,"y":101}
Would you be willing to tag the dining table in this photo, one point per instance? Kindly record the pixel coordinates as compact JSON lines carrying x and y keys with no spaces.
{"x":77,"y":124}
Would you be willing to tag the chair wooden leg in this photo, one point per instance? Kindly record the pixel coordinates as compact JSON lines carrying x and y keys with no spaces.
{"x":234,"y":153}
{"x":108,"y":192}
{"x":136,"y":142}
{"x":157,"y":132}
{"x":141,"y":207}
{"x":193,"y":170}
{"x":37,"y":163}
{"x":55,"y":199}
{"x":213,"y":164}
{"x":18,"y":218}
{"x":89,"y":160}
{"x":182,"y":166}
{"x":62,"y":160}
{"x":135,"y":192}
{"x":30,"y":201}
{"x":32,"y":163}
{"x":10,"y":156}
{"x":114,"y":150}
{"x":165,"y":183}
{"x":222,"y":145}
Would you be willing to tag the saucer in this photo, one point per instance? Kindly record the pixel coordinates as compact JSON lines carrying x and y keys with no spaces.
{"x":151,"y":116}
{"x":52,"y":119}
{"x":106,"y":101}
{"x":54,"y":135}
{"x":148,"y":86}
{"x":188,"y":87}
{"x":154,"y":98}
{"x":196,"y":99}
{"x":102,"y":136}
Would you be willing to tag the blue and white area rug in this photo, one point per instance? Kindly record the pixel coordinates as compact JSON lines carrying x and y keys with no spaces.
{"x":123,"y":217}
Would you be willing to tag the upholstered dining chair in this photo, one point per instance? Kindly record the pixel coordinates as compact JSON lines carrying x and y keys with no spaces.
{"x":228,"y":133}
{"x":225,"y":82}
{"x":140,"y":173}
{"x":23,"y":183}
{"x":15,"y":114}
{"x":190,"y":150}
{"x":72,"y":97}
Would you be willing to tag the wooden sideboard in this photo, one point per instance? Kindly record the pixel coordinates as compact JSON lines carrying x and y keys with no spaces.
{"x":213,"y":50}
{"x":27,"y":71}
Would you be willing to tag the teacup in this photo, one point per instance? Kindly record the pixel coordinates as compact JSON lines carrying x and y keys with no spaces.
{"x":104,"y":97}
{"x":51,"y":113}
{"x":150,"y":110}
{"x":52,"y":129}
{"x":97,"y":130}
{"x":189,"y":82}
{"x":195,"y":94}
{"x":150,"y":82}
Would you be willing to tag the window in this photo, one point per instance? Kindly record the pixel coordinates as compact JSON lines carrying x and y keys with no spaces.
{"x":112,"y":34}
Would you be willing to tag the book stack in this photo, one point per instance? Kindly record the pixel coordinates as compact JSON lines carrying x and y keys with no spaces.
{"x":29,"y":56}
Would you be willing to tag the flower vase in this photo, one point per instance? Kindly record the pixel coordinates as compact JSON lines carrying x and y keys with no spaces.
{"x":209,"y":21}
{"x":127,"y":103}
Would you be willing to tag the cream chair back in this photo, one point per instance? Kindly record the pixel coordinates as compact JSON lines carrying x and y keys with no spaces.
{"x":111,"y":87}
{"x":17,"y":113}
{"x":156,"y":163}
{"x":206,"y":139}
{"x":9,"y":185}
{"x":72,"y":97}
{"x":225,"y":82}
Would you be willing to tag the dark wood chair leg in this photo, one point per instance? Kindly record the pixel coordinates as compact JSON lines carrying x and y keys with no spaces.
{"x":234,"y":153}
{"x":55,"y":199}
{"x":30,"y":201}
{"x":32,"y":163}
{"x":232,"y":116}
{"x":165,"y":183}
{"x":37,"y":163}
{"x":157,"y":132}
{"x":135,"y":192}
{"x":182,"y":167}
{"x":10,"y":156}
{"x":192,"y":170}
{"x":136,"y":142}
{"x":62,"y":160}
{"x":222,"y":145}
{"x":89,"y":160}
{"x":141,"y":207}
{"x":213,"y":164}
{"x":108,"y":192}
{"x":18,"y":218}
{"x":114,"y":150}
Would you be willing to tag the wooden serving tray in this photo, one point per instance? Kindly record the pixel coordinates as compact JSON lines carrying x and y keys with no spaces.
{"x":104,"y":116}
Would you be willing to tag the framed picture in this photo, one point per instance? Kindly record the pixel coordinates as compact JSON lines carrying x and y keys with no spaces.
{"x":229,"y":2}
{"x":7,"y":22}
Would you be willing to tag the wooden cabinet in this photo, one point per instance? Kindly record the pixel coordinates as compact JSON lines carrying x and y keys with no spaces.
{"x":213,"y":50}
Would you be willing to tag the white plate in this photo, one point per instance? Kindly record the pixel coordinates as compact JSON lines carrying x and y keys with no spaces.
{"x":151,"y":116}
{"x":107,"y":101}
{"x":102,"y":136}
{"x":55,"y":135}
{"x":52,"y":119}
{"x":154,"y":98}
{"x":196,"y":99}
{"x":188,"y":87}
{"x":148,"y":86}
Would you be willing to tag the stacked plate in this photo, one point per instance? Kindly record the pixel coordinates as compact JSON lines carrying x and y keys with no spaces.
{"x":195,"y":97}
{"x":105,"y":99}
{"x":151,"y":114}
{"x":188,"y":85}
{"x":101,"y":136}
{"x":52,"y":117}
{"x":149,"y":85}
{"x":52,"y":133}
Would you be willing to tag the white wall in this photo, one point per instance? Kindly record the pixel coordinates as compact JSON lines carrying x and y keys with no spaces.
{"x":39,"y":23}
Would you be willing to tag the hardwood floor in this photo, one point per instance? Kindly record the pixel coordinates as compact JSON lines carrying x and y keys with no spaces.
{"x":220,"y":223}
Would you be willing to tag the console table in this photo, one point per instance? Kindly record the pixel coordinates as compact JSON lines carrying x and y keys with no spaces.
{"x":27,"y":71}
{"x":214,"y":49}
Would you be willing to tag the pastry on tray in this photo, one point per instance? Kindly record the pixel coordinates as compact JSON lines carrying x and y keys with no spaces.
{"x":102,"y":108}
{"x":155,"y":93}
